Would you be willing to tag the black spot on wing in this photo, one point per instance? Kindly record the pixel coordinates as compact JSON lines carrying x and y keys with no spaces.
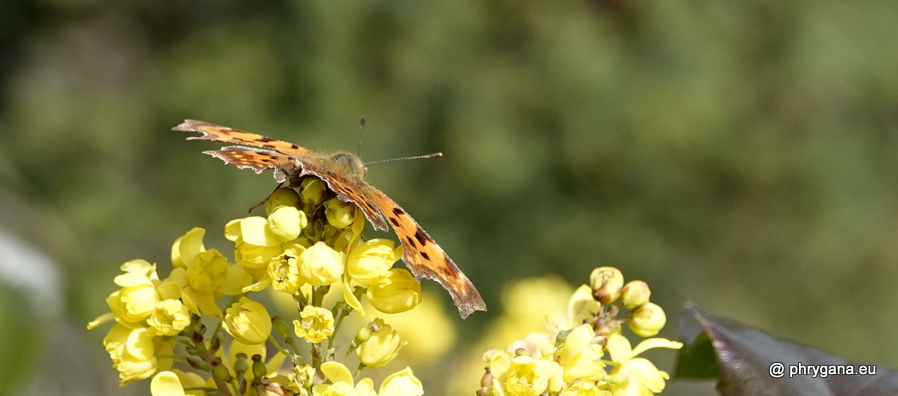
{"x":426,"y":257}
{"x":293,"y":146}
{"x":394,"y":221}
{"x":411,"y":242}
{"x":398,"y":211}
{"x":264,"y":139}
{"x":422,"y":236}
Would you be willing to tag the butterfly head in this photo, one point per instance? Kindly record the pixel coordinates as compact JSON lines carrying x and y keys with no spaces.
{"x":351,"y":163}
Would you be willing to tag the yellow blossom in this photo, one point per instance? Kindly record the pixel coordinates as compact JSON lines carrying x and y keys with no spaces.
{"x":342,"y":383}
{"x":192,"y":380}
{"x":580,"y":357}
{"x":635,"y":294}
{"x":255,"y":244}
{"x":371,"y":261}
{"x":321,"y":265}
{"x":584,"y":388}
{"x":134,"y":304}
{"x":208,"y":271}
{"x":315,"y":325}
{"x":527,"y":376}
{"x":401,"y":383}
{"x":169,"y":317}
{"x":283,"y":270}
{"x":248,"y":321}
{"x":382,"y":347}
{"x":398,"y":292}
{"x":286,"y":223}
{"x":166,"y":383}
{"x":606,"y":283}
{"x":636,"y":376}
{"x":132,"y":353}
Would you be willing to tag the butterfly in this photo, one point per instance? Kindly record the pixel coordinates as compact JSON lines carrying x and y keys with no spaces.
{"x":344,"y":173}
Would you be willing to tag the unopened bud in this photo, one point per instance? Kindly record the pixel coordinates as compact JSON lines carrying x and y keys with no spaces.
{"x":282,"y":328}
{"x":363,"y":335}
{"x":259,"y":369}
{"x":647,"y":320}
{"x":487,"y":380}
{"x":312,"y":191}
{"x":240,"y":365}
{"x":339,"y":214}
{"x":635,"y":293}
{"x":281,"y":197}
{"x":220,"y":372}
{"x":198,"y":364}
{"x":606,"y":283}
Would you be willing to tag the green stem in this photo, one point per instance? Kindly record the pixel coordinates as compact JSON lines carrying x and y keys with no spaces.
{"x":358,"y":371}
{"x":295,"y":357}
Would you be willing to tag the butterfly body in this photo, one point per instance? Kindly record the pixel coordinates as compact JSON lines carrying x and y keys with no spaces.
{"x":344,"y":174}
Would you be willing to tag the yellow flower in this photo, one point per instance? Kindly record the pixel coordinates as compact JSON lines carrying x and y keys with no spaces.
{"x":166,"y":383}
{"x":203,"y":275}
{"x":284,"y":269}
{"x":248,"y":321}
{"x":320,"y":265}
{"x":255,"y":244}
{"x":208,"y":271}
{"x":371,"y":261}
{"x":132,"y":352}
{"x":398,"y":292}
{"x":286,"y":223}
{"x":316,"y":324}
{"x":636,"y":376}
{"x":134,"y":304}
{"x":381,"y":347}
{"x":584,"y":388}
{"x":647,"y":320}
{"x":341,"y":382}
{"x":192,"y":380}
{"x":339,"y":214}
{"x":401,"y":383}
{"x":526,"y":376}
{"x":580,"y":357}
{"x":169,"y":318}
{"x":635,"y":294}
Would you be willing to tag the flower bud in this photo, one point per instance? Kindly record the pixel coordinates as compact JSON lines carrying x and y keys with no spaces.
{"x":220,"y":372}
{"x":398,"y":292}
{"x":282,"y":328}
{"x":248,"y":322}
{"x":281,"y":197}
{"x":363,"y":335}
{"x":286,"y":222}
{"x":647,"y":320}
{"x":635,"y":294}
{"x":339,"y":214}
{"x":240,"y":365}
{"x":606,"y":283}
{"x":381,"y":347}
{"x":259,"y":369}
{"x":312,"y":191}
{"x":320,"y":265}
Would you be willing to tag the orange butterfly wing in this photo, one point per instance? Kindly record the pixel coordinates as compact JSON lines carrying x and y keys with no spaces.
{"x":425,"y":258}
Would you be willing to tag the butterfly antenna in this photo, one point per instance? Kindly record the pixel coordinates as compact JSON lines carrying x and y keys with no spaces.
{"x":434,"y":155}
{"x":361,"y":127}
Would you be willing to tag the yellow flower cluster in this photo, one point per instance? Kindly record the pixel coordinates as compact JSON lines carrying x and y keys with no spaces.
{"x":584,"y":352}
{"x":309,"y":242}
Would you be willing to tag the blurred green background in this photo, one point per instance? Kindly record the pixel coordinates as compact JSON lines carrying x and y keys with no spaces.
{"x":740,"y":155}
